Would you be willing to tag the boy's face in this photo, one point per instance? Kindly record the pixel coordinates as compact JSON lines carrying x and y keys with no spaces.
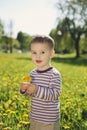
{"x":41,"y":55}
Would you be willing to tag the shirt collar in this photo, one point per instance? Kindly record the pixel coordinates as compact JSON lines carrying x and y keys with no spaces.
{"x":42,"y":71}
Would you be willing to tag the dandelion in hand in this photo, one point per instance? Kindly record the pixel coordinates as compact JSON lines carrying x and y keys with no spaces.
{"x":27,"y":78}
{"x":25,"y":84}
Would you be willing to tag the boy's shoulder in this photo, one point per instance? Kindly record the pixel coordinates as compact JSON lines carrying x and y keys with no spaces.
{"x":55,"y":74}
{"x":55,"y":71}
{"x":33,"y":71}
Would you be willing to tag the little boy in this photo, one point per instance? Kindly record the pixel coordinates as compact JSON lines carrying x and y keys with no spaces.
{"x":45,"y":86}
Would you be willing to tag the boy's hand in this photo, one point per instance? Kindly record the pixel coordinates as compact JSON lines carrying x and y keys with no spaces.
{"x":24,"y":86}
{"x":32,"y":89}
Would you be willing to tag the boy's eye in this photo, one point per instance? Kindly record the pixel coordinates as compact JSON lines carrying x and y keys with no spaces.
{"x":33,"y":52}
{"x":43,"y":52}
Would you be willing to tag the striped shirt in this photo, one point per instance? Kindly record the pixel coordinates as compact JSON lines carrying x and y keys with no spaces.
{"x":45,"y":105}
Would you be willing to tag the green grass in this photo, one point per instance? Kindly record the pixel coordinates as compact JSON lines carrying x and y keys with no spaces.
{"x":15,"y":108}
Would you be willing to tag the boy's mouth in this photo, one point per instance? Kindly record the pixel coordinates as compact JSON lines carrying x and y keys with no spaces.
{"x":38,"y":61}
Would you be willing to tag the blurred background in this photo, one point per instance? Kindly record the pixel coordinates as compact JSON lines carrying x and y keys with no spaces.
{"x":65,"y":21}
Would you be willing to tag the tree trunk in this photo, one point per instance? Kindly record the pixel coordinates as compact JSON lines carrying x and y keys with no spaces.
{"x":11,"y":48}
{"x":77,"y":48}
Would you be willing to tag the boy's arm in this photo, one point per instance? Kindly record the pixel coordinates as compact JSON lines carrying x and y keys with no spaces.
{"x":53,"y":91}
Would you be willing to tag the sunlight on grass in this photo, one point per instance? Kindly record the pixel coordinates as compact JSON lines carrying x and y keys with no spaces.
{"x":15,"y":108}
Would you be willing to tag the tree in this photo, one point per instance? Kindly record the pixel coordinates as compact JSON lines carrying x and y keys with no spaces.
{"x":57,"y":39}
{"x":24,"y":40}
{"x":10,"y":35}
{"x":1,"y":30}
{"x":73,"y":20}
{"x":20,"y":38}
{"x":5,"y":43}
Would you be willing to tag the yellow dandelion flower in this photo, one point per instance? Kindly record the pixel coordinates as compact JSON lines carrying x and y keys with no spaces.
{"x":12,"y":112}
{"x":8,"y":111}
{"x":15,"y":97}
{"x":1,"y":107}
{"x":1,"y":123}
{"x":66,"y":126}
{"x":27,"y":78}
{"x":7,"y":128}
{"x":0,"y":114}
{"x":24,"y":122}
{"x":25,"y":115}
{"x":18,"y":125}
{"x":5,"y":114}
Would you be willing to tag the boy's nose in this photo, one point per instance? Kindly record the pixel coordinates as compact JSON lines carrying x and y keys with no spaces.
{"x":38,"y":55}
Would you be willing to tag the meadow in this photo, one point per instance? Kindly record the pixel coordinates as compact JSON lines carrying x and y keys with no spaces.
{"x":15,"y":108}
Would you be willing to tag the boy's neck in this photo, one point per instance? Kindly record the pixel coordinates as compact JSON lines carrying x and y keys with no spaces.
{"x":44,"y":68}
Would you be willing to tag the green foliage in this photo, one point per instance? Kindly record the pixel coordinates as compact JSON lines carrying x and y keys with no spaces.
{"x":1,"y":31}
{"x":24,"y":40}
{"x":21,"y":39}
{"x":16,"y":44}
{"x":15,"y":108}
{"x":83,"y":44}
{"x":1,"y":28}
{"x":57,"y":40}
{"x":63,"y":41}
{"x":73,"y":19}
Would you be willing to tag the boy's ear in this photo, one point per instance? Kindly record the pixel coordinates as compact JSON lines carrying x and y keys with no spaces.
{"x":52,"y":53}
